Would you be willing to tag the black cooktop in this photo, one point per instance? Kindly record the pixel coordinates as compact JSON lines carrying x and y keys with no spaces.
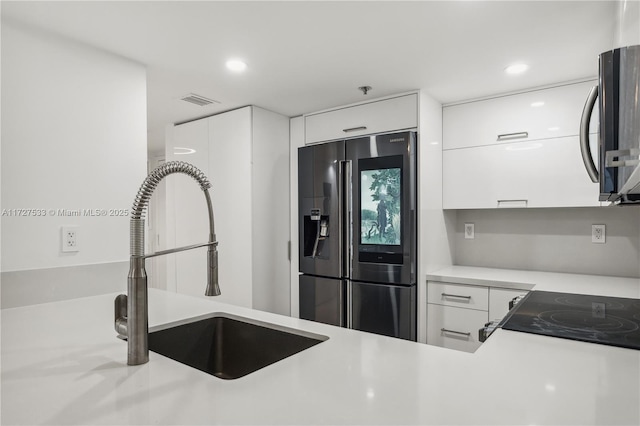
{"x":598,"y":319}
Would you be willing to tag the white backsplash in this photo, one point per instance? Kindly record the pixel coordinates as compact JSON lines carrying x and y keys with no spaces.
{"x":554,"y":240}
{"x":35,"y":286}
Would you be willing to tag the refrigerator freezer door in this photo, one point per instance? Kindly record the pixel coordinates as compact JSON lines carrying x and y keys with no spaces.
{"x":320,"y":207}
{"x":384,"y":309}
{"x":322,"y":300}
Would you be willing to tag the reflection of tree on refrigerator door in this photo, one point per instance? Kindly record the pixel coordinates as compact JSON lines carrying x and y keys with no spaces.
{"x":382,"y":217}
{"x":383,"y":225}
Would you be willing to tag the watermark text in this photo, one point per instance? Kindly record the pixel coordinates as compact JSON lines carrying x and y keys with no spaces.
{"x":34,"y":212}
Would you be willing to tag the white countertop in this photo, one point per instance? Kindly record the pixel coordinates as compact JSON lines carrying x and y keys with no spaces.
{"x":547,"y":281}
{"x":62,"y":364}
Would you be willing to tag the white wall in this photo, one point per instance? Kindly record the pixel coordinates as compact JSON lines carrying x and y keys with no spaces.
{"x":73,"y":138}
{"x":556,"y":240}
{"x":627,"y":26}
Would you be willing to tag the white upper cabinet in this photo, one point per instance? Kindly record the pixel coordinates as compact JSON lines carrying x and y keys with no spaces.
{"x":543,"y":173}
{"x":385,"y":115}
{"x":518,"y":151}
{"x":540,"y":114}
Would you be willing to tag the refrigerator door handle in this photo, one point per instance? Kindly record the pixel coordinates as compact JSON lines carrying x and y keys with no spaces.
{"x":346,"y":227}
{"x":345,"y":209}
{"x":349,"y":304}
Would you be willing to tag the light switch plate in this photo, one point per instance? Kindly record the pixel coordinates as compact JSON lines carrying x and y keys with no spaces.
{"x":469,"y":231}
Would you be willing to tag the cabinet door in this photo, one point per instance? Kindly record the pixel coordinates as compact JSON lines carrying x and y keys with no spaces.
{"x":499,"y":299}
{"x":540,"y":114}
{"x":220,"y":146}
{"x":543,"y":173}
{"x":374,"y":117}
{"x":230,"y":171}
{"x":454,"y":328}
{"x":188,"y":220}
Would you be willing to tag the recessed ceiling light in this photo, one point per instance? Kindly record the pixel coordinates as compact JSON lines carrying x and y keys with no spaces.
{"x":537,"y":104}
{"x":516,"y":68}
{"x":553,"y":129}
{"x":236,"y":65}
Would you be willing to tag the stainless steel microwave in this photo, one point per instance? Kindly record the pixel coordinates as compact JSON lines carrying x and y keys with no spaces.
{"x":618,"y":97}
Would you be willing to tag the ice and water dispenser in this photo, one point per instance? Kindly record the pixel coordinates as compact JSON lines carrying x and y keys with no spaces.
{"x":316,"y":232}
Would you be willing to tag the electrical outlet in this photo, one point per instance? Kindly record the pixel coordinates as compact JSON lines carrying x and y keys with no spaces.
{"x":598,"y":310}
{"x":70,"y":239}
{"x":469,"y":231}
{"x":598,"y":234}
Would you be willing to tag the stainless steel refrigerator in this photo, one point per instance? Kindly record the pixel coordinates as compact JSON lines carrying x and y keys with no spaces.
{"x":357,"y":224}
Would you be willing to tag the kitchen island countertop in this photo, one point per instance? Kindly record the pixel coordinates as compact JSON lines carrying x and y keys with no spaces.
{"x":62,"y":364}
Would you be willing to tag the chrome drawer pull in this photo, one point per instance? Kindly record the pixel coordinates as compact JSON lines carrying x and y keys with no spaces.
{"x":456,"y":295}
{"x":444,"y":330}
{"x":509,"y":136}
{"x":512,"y":203}
{"x":354,"y":129}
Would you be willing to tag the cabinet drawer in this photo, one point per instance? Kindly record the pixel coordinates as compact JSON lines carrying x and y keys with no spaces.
{"x":375,"y":117}
{"x":543,"y":173}
{"x":540,"y":114}
{"x":465,"y":296}
{"x":499,"y":299}
{"x":454,"y":328}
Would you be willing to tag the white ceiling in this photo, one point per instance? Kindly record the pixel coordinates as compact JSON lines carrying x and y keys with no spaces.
{"x":312,"y":55}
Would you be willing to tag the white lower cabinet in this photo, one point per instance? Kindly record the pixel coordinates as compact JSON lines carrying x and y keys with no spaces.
{"x":456,"y":312}
{"x":454,"y":328}
{"x":458,"y":295}
{"x":499,"y":299}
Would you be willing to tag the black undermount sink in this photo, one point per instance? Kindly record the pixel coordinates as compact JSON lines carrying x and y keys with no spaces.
{"x":228,"y":346}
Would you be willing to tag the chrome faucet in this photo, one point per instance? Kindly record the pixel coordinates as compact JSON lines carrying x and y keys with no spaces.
{"x":131,"y":312}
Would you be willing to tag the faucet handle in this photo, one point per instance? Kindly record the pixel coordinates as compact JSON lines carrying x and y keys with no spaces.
{"x":120,"y":322}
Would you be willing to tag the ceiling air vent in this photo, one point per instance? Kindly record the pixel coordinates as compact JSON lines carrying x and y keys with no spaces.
{"x":198,"y":100}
